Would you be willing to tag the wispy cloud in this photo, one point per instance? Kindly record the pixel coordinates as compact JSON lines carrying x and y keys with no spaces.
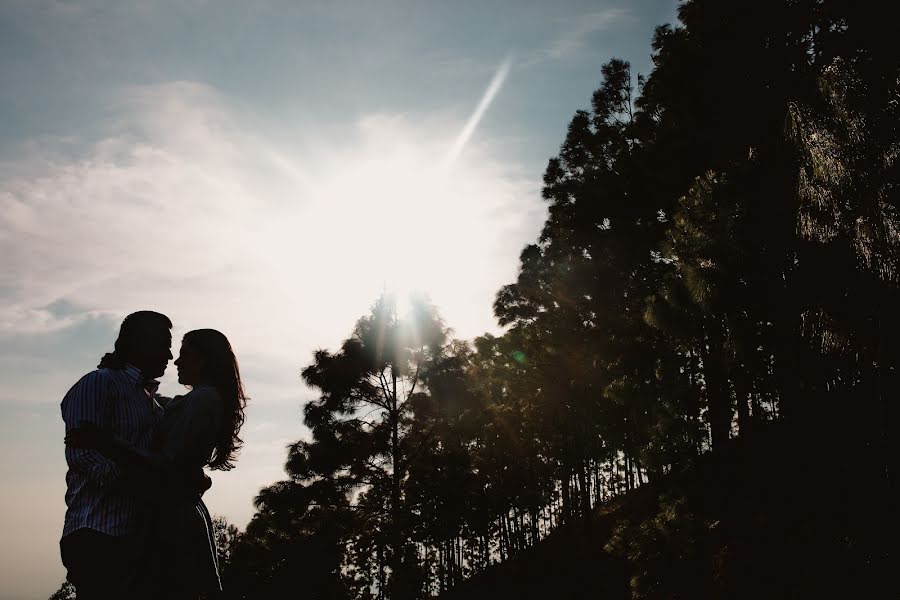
{"x":576,"y":34}
{"x":469,"y":128}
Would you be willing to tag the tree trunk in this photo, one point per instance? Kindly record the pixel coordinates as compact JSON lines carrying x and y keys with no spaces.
{"x":789,"y":364}
{"x":504,"y":550}
{"x":743,"y":396}
{"x":396,"y":537}
{"x":584,"y":495}
{"x":381,"y":578}
{"x":718,"y":398}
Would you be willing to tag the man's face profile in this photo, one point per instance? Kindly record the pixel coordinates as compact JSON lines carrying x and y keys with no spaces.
{"x":158,"y":352}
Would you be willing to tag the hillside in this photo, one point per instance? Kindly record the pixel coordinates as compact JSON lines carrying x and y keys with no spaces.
{"x":730,"y":526}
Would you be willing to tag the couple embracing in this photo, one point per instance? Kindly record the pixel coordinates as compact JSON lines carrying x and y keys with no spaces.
{"x":135,"y":524}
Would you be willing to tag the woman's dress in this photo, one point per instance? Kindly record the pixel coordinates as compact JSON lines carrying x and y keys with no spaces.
{"x":183,"y":560}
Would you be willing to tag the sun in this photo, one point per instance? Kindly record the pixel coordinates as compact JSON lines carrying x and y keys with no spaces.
{"x":408,"y":207}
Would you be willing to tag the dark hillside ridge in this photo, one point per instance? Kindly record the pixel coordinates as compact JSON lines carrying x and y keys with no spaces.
{"x":768,"y":517}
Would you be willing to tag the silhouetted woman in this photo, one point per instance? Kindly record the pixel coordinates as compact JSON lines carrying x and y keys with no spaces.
{"x":198,"y":429}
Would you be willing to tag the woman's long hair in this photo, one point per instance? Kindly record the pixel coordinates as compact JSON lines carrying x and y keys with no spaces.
{"x":224,"y":375}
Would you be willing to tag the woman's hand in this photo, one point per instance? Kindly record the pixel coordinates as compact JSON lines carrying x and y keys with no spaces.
{"x":88,"y":436}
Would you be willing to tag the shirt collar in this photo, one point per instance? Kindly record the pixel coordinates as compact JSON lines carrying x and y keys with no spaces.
{"x":134,"y":374}
{"x":151,"y":386}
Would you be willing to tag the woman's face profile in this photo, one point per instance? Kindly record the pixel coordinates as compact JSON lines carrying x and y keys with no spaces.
{"x":190,"y":365}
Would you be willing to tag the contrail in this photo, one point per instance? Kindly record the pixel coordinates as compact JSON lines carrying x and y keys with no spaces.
{"x":472,"y":123}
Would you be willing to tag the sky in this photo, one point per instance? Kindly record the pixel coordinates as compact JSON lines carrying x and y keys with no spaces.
{"x":266,"y":169}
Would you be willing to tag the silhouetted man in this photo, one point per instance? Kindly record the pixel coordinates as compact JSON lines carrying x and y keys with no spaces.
{"x":97,"y":540}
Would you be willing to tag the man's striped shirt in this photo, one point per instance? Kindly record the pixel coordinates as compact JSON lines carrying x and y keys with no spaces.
{"x":116,"y":401}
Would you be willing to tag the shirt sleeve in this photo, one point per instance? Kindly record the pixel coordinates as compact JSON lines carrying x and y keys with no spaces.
{"x":85,"y":403}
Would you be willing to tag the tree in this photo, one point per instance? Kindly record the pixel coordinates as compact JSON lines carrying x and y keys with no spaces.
{"x":226,"y":536}
{"x":65,"y":592}
{"x":347,"y":491}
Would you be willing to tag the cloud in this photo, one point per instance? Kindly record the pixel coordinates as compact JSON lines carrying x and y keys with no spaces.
{"x":182,"y":206}
{"x":125,"y":208}
{"x":469,"y":129}
{"x":576,"y":35}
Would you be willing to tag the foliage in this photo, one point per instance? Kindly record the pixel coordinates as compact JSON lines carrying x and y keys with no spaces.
{"x":660,"y":548}
{"x":226,"y":536}
{"x":65,"y":592}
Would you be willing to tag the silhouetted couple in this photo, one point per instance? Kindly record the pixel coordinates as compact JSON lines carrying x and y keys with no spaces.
{"x":135,"y":525}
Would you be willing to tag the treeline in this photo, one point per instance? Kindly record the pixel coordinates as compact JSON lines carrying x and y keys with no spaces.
{"x":721,"y":253}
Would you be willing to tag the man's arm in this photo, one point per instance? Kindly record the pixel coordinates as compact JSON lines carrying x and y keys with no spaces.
{"x":150,"y":476}
{"x":83,"y":404}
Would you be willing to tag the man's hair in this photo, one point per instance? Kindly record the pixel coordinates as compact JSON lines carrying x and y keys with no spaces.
{"x":133,"y":331}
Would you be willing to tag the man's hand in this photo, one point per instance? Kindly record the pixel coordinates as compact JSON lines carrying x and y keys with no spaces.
{"x":185,"y":482}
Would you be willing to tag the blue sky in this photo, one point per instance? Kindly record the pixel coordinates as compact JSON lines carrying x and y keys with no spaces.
{"x":264,"y":168}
